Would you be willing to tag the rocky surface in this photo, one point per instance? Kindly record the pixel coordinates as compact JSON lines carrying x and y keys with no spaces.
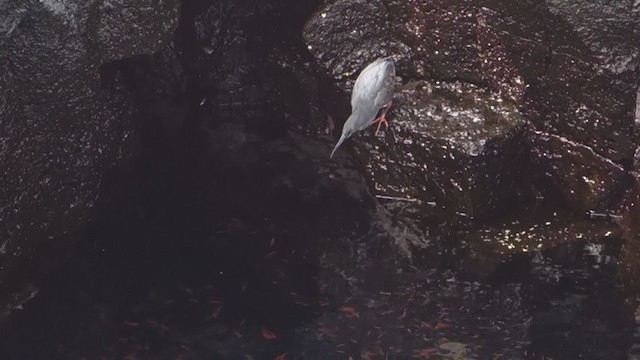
{"x":490,"y":220}
{"x":564,"y":78}
{"x":548,"y":71}
{"x":452,"y":146}
{"x":62,"y":121}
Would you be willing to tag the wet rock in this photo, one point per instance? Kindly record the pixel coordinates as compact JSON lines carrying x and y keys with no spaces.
{"x":490,"y":245}
{"x":559,"y":74}
{"x":455,"y":350}
{"x":604,"y":26}
{"x":453,"y":146}
{"x":230,"y":41}
{"x":364,"y":25}
{"x":637,"y":118}
{"x":629,"y":222}
{"x":533,"y":56}
{"x":571,"y":281}
{"x":585,"y":181}
{"x":220,"y":55}
{"x":153,"y":79}
{"x":574,"y":100}
{"x":421,"y":25}
{"x":561,"y":50}
{"x":62,"y":121}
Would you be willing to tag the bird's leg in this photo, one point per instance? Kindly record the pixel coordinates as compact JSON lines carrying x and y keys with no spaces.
{"x":385,"y":108}
{"x":381,"y":119}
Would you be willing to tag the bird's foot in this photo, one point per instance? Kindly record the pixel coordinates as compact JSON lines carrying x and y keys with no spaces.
{"x":381,"y":121}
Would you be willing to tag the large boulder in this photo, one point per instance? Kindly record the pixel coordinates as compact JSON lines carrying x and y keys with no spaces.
{"x":575,"y":175}
{"x":63,"y":120}
{"x":454,"y":147}
{"x":551,"y":60}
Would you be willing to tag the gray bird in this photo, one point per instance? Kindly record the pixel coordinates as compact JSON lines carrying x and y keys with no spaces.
{"x":373,"y":90}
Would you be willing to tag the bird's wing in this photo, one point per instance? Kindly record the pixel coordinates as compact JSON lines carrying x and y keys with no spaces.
{"x":374,"y":84}
{"x":364,"y":89}
{"x":387,"y":86}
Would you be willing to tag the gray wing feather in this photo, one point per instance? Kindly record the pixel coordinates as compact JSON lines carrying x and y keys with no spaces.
{"x":375,"y":84}
{"x":385,"y":94}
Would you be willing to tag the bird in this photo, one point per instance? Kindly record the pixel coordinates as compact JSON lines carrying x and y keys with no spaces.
{"x":372,"y":91}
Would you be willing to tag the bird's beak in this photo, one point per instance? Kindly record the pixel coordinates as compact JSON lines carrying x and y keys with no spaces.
{"x":344,"y":137}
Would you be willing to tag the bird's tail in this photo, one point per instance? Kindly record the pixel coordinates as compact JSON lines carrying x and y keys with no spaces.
{"x":344,"y":137}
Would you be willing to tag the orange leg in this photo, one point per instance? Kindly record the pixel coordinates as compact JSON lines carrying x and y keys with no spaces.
{"x":381,"y":119}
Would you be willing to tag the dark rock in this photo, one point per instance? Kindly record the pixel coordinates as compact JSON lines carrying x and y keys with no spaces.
{"x":346,"y":34}
{"x":490,"y":245}
{"x":62,"y":121}
{"x":636,"y":123}
{"x":585,"y":181}
{"x":152,"y":79}
{"x":556,"y":72}
{"x":629,"y":222}
{"x":603,"y":26}
{"x":573,"y":87}
{"x":454,"y":146}
{"x":220,"y":55}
